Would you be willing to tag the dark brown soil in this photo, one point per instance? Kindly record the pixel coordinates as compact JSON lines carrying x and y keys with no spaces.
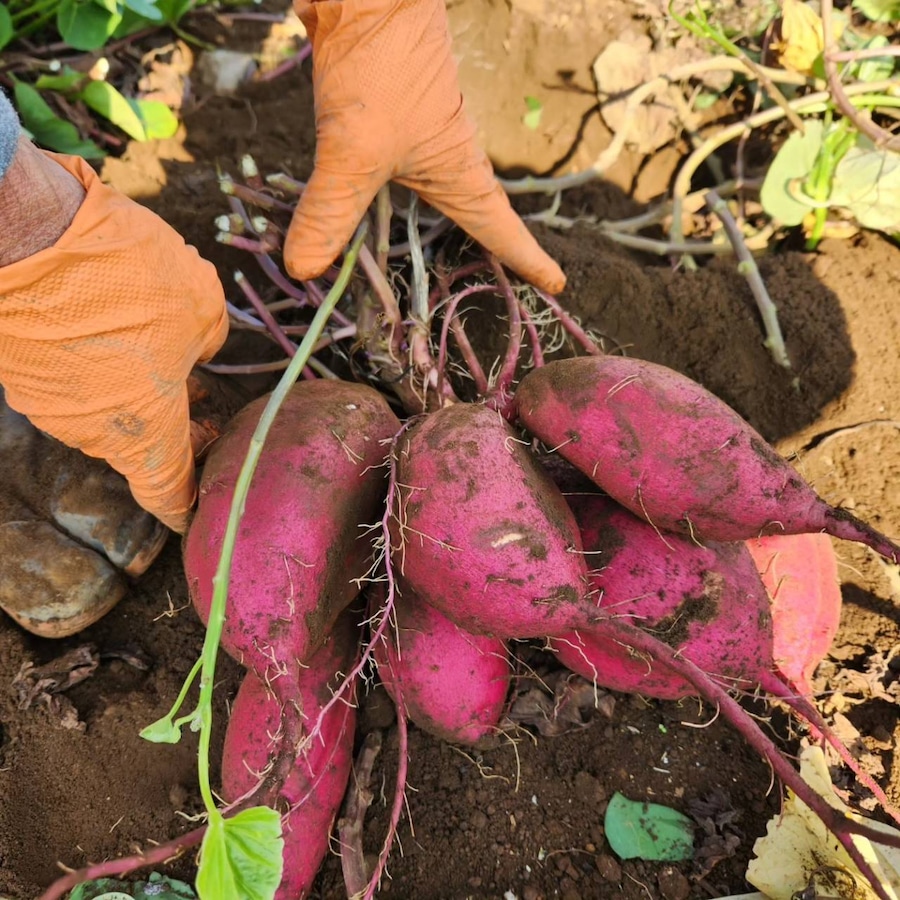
{"x":526,"y":816}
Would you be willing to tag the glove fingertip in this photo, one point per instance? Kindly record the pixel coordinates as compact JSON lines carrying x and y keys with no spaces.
{"x":549,"y":277}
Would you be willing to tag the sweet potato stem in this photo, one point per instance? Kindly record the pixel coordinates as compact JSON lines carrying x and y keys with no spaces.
{"x":451,"y":321}
{"x":838,"y":824}
{"x":501,"y":395}
{"x":241,"y":490}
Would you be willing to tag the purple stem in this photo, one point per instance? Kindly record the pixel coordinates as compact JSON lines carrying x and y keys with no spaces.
{"x":537,"y":353}
{"x":465,"y":348}
{"x":267,"y":318}
{"x":254,"y":197}
{"x":567,"y":322}
{"x":289,"y":64}
{"x":399,"y":793}
{"x":839,"y":824}
{"x":502,"y":392}
{"x":773,"y":685}
{"x":240,"y":242}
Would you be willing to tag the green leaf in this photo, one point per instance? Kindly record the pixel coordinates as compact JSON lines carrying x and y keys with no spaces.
{"x":6,"y":27}
{"x":47,"y":128}
{"x":104,"y":99}
{"x":146,"y":9}
{"x":867,"y":184}
{"x":881,"y":67}
{"x":647,"y":831}
{"x":879,"y":10}
{"x":241,"y":857}
{"x":157,"y":887}
{"x":162,"y":731}
{"x":705,"y":99}
{"x":174,"y":10}
{"x":86,"y":24}
{"x":532,"y":118}
{"x":780,"y":195}
{"x":159,"y":121}
{"x":66,"y":81}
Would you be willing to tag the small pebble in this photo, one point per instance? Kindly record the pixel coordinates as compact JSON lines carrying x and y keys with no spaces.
{"x":609,"y":868}
{"x":673,"y":885}
{"x":178,"y":795}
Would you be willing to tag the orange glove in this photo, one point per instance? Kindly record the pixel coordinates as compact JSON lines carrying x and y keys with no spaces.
{"x":98,"y":334}
{"x":388,"y":106}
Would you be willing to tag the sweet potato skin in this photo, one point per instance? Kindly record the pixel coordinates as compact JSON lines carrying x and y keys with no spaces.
{"x":481,"y":533}
{"x":800,"y":574}
{"x":301,"y":544}
{"x":667,"y":449}
{"x":706,"y":601}
{"x":453,"y":684}
{"x":314,"y":788}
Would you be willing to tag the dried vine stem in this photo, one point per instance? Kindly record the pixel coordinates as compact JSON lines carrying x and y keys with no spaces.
{"x":611,"y":154}
{"x":748,"y":268}
{"x":863,"y":124}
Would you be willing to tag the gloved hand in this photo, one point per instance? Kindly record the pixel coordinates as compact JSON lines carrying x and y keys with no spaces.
{"x":388,"y":107}
{"x":99,"y":331}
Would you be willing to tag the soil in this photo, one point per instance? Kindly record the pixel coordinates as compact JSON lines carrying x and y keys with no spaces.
{"x":522,"y":818}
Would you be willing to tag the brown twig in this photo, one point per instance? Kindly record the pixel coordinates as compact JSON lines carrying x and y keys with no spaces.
{"x":863,"y":124}
{"x":350,"y":825}
{"x":399,"y":793}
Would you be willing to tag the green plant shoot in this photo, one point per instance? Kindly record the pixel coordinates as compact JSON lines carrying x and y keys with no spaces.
{"x":240,"y":858}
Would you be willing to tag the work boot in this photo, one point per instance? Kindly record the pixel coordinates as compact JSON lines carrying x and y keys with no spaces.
{"x":70,"y":532}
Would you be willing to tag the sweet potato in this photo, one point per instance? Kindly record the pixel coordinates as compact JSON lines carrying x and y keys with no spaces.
{"x":481,"y":533}
{"x":301,"y":545}
{"x":684,"y":619}
{"x":674,"y":454}
{"x":706,"y":602}
{"x":311,"y":793}
{"x":800,"y":575}
{"x":453,"y":684}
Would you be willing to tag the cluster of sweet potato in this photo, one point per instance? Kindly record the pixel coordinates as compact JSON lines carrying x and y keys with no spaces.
{"x":646,"y":571}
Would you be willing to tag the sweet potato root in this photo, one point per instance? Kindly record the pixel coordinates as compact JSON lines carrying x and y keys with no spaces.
{"x":481,"y":533}
{"x":708,"y":603}
{"x":674,"y":454}
{"x":800,"y":574}
{"x":453,"y":684}
{"x":302,"y":545}
{"x":311,"y":794}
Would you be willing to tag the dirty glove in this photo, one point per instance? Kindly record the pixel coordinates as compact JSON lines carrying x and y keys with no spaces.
{"x":388,"y":107}
{"x":99,"y":331}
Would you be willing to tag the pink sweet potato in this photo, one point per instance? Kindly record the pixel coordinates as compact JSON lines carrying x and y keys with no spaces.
{"x":706,"y":602}
{"x":301,"y":545}
{"x":800,"y":574}
{"x":453,"y":684}
{"x":674,"y":454}
{"x":684,"y":619}
{"x":312,"y":791}
{"x":481,"y":533}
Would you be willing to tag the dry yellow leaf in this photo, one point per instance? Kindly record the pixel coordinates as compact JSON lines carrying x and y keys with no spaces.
{"x":798,"y":851}
{"x":801,"y":38}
